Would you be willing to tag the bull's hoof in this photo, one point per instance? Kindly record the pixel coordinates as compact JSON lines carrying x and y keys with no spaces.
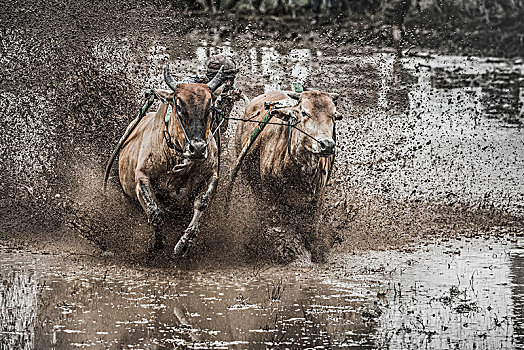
{"x":156,"y":218}
{"x":184,"y":243}
{"x":155,"y":244}
{"x":182,"y":247}
{"x":318,"y":256}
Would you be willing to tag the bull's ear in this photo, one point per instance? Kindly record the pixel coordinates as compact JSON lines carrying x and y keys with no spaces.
{"x":283,"y":113}
{"x":164,"y":95}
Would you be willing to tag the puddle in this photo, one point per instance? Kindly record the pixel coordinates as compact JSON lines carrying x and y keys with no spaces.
{"x":460,"y":294}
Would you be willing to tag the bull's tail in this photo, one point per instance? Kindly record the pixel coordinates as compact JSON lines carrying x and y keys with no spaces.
{"x":118,"y":148}
{"x":150,"y":95}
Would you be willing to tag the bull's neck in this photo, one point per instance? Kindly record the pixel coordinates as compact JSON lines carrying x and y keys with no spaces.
{"x":306,"y":167}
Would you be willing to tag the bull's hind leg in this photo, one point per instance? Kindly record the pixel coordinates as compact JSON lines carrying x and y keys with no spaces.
{"x":151,"y":207}
{"x":318,"y":246}
{"x":200,"y":204}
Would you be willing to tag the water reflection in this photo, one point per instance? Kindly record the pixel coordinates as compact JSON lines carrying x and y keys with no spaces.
{"x":458,"y":294}
{"x":375,"y":81}
{"x":18,"y":305}
{"x":103,"y":307}
{"x":459,"y":298}
{"x":300,"y":60}
{"x":397,"y":96}
{"x":517,"y":287}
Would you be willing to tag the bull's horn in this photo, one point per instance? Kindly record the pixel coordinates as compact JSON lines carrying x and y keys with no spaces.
{"x":217,"y":79}
{"x":334,"y":96}
{"x":169,"y":79}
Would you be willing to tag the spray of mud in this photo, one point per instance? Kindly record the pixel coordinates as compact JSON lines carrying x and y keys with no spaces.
{"x":73,"y":76}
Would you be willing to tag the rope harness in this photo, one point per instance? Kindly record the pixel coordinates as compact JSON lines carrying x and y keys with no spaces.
{"x":289,"y":131}
{"x":218,"y":120}
{"x":150,"y":96}
{"x":291,"y":125}
{"x":167,"y":135}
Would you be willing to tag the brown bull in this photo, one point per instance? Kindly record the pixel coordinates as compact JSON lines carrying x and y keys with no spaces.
{"x":174,"y":159}
{"x":288,"y":167}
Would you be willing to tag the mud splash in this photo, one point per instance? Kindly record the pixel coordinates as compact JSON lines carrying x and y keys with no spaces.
{"x":74,"y":72}
{"x":428,"y":144}
{"x":465,"y":294}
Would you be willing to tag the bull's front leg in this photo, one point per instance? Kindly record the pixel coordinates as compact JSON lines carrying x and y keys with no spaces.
{"x":147,"y":199}
{"x":315,"y":240}
{"x":199,"y":206}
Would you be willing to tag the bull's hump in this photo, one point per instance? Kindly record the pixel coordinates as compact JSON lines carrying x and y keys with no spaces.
{"x":258,"y":102}
{"x":318,"y":99}
{"x":275,"y":95}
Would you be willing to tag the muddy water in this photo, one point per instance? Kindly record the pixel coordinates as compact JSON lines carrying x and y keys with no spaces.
{"x":457,"y":294}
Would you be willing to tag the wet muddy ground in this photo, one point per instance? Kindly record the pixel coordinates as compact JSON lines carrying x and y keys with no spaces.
{"x":465,"y":294}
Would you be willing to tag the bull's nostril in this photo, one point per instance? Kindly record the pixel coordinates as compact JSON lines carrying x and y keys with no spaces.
{"x":326,"y":146}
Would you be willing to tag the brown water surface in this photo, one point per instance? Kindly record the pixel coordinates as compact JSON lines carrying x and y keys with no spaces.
{"x":458,"y":294}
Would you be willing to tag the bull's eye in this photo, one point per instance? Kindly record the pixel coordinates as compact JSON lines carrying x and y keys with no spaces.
{"x":305,"y":115}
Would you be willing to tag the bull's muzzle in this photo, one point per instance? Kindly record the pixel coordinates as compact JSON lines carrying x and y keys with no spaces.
{"x":324,"y":147}
{"x":195,"y":149}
